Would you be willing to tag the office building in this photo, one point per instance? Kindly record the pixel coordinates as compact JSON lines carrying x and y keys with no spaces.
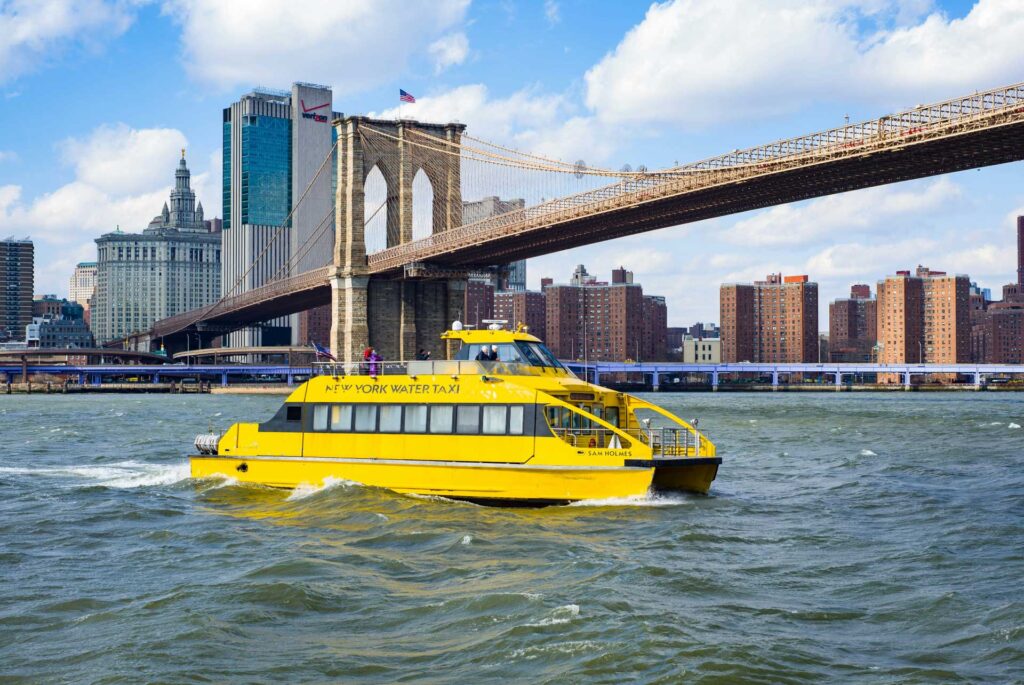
{"x":852,"y":326}
{"x":17,"y":279}
{"x":775,"y":320}
{"x":83,"y":283}
{"x":58,"y":333}
{"x":173,"y":266}
{"x":702,"y":330}
{"x":275,"y":142}
{"x":597,"y":320}
{"x":53,"y":307}
{"x":923,"y":318}
{"x":702,"y":351}
{"x":674,"y":336}
{"x":527,"y":307}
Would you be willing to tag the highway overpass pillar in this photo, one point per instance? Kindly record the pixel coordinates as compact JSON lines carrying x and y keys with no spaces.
{"x":906,"y":380}
{"x":839,"y":380}
{"x":714,"y":381}
{"x":223,"y":379}
{"x":775,"y":380}
{"x":655,"y":381}
{"x":977,"y":380}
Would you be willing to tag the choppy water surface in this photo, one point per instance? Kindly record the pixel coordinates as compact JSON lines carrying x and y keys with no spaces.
{"x":871,"y":538}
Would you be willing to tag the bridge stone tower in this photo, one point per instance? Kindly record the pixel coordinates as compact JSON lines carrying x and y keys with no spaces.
{"x":396,"y":316}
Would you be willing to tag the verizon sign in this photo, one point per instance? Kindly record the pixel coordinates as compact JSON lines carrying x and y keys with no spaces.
{"x":310,"y":112}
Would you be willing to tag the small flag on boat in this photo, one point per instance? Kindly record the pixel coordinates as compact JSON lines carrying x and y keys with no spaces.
{"x":405,"y":97}
{"x":322,"y":351}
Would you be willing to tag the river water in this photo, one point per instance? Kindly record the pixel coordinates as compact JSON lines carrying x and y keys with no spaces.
{"x":874,"y":538}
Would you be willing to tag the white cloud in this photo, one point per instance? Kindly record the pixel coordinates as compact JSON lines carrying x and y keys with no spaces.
{"x":860,"y":212}
{"x":350,"y":45}
{"x":36,"y":31}
{"x":527,"y":120}
{"x":8,"y":156}
{"x":122,"y":178}
{"x":121,"y":160}
{"x":552,"y":12}
{"x":449,"y":51}
{"x":699,"y":62}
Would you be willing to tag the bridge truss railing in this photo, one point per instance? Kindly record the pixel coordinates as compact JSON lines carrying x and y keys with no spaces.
{"x":917,"y":125}
{"x":250,"y":298}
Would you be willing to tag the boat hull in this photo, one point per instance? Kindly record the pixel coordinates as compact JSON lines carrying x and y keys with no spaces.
{"x":482,"y":482}
{"x":689,"y":474}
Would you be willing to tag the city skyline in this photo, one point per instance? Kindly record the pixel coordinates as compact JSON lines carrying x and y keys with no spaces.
{"x":66,"y":181}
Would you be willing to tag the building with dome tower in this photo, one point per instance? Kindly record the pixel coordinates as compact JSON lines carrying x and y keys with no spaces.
{"x":173,"y":266}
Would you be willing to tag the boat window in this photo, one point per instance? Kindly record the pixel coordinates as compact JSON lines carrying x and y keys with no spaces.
{"x":515,"y":420}
{"x":366,"y":418}
{"x":507,"y":352}
{"x":467,"y":419}
{"x":391,"y":418}
{"x":320,"y":417}
{"x":441,"y":418}
{"x":416,"y":418}
{"x":543,"y":356}
{"x":531,"y":355}
{"x":611,"y":415}
{"x":341,"y":417}
{"x":494,"y":420}
{"x":293,"y":413}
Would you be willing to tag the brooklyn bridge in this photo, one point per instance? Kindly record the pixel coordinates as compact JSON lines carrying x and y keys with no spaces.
{"x":403,"y":295}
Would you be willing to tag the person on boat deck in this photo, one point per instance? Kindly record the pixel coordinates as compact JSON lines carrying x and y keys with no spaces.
{"x":494,"y":353}
{"x":483,"y":355}
{"x":374,"y":360}
{"x":422,"y":355}
{"x":366,"y":356}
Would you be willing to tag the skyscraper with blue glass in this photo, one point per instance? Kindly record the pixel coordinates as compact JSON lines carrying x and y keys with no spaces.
{"x":275,"y":142}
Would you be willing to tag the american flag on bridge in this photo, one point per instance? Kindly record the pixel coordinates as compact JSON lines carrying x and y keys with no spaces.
{"x":405,"y":97}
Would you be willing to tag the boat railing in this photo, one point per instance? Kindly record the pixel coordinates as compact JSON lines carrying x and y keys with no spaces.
{"x":665,"y":442}
{"x":672,"y":441}
{"x":428,"y":367}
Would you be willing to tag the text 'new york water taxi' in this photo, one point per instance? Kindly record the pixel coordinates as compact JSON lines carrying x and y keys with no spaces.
{"x":502,"y":422}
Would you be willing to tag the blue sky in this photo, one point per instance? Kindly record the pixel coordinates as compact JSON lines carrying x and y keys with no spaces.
{"x":97,"y":96}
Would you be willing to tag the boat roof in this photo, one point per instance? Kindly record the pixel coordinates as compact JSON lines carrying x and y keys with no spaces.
{"x":490,"y":336}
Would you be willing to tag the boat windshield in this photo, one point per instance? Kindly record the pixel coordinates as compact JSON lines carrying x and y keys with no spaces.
{"x":519,"y":352}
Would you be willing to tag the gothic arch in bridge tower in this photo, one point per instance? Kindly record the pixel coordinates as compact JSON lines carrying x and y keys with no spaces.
{"x":423,"y":214}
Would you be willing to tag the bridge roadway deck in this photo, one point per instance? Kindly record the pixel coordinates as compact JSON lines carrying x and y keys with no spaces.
{"x":978,"y":130}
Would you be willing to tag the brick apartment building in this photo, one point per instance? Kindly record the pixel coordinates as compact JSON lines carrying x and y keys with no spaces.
{"x":775,"y":320}
{"x":923,"y":318}
{"x":852,"y":326}
{"x":479,"y":302}
{"x":604,"y":321}
{"x":527,"y":307}
{"x":997,"y":331}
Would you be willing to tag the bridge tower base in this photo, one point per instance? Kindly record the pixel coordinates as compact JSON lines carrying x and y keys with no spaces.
{"x":398,"y":318}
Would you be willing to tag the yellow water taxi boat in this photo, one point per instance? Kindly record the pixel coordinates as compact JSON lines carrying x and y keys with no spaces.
{"x":516,"y":429}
